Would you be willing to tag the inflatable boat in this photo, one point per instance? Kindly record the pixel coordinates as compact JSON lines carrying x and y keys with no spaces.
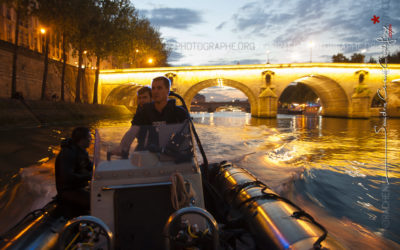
{"x":169,"y":197}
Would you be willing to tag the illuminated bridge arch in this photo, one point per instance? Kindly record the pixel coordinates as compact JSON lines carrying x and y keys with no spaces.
{"x":123,"y":95}
{"x":197,"y":87}
{"x":333,"y":98}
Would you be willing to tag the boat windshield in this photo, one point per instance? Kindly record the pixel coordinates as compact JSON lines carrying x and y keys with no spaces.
{"x":174,"y":140}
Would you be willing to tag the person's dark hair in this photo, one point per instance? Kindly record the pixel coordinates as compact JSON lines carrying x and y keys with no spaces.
{"x":143,"y":90}
{"x":79,"y":133}
{"x":165,"y":80}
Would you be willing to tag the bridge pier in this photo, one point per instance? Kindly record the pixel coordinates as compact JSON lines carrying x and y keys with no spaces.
{"x":360,"y":107}
{"x":360,"y":102}
{"x":267,"y":104}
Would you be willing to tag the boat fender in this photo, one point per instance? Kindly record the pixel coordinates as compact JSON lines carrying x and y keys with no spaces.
{"x":239,"y":187}
{"x":297,"y":214}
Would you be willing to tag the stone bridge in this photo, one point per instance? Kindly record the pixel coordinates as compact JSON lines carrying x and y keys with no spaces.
{"x":344,"y":89}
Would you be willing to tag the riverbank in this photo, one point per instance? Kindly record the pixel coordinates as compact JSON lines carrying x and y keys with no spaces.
{"x":17,"y":113}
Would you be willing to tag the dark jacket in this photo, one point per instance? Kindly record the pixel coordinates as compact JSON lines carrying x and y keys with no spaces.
{"x":73,"y":168}
{"x":148,"y":115}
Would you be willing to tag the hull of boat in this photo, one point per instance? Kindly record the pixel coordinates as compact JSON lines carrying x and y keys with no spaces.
{"x":269,"y":221}
{"x":40,"y":230}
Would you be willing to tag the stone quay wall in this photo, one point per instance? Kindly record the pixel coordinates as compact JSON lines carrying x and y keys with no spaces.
{"x":30,"y":67}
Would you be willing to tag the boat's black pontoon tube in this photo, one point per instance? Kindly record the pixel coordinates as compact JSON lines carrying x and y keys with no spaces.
{"x":37,"y":230}
{"x":274,"y":221}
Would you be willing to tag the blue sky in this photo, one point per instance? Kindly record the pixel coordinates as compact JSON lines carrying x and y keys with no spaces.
{"x":225,"y":32}
{"x":230,"y":31}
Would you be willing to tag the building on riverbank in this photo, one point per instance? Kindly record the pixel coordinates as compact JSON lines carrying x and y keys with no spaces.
{"x":31,"y":36}
{"x":31,"y":43}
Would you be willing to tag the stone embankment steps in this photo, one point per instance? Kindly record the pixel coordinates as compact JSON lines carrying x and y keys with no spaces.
{"x":17,"y":113}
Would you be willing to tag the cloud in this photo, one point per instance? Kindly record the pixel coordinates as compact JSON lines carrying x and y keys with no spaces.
{"x":220,"y":62}
{"x":172,"y":44}
{"x":175,"y":56}
{"x":171,"y":40}
{"x":296,"y":22}
{"x":234,"y":62}
{"x":260,"y":19}
{"x":181,"y":65}
{"x":220,"y":26}
{"x":326,"y":58}
{"x":177,"y":18}
{"x":283,"y":27}
{"x":251,"y":61}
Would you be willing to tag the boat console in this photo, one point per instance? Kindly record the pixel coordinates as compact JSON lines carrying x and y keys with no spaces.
{"x":133,"y":196}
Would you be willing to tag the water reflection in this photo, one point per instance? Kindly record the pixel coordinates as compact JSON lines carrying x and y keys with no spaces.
{"x":336,"y":164}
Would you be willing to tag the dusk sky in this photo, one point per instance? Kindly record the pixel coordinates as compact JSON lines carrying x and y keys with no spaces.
{"x":223,"y":32}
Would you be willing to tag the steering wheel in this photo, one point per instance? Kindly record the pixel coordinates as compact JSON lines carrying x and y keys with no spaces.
{"x":169,"y":240}
{"x":85,"y":232}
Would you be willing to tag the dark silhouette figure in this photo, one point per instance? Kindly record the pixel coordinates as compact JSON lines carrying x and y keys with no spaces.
{"x":73,"y":170}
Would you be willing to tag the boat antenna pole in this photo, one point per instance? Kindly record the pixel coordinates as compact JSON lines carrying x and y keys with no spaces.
{"x":203,"y":154}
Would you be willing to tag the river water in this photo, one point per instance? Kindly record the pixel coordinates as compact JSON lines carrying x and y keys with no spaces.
{"x":333,"y":168}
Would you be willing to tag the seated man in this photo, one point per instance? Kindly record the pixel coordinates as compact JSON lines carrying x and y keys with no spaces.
{"x":73,"y":170}
{"x":161,"y":111}
{"x":143,"y":96}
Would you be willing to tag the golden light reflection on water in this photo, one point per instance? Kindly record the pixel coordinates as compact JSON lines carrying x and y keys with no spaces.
{"x":336,"y":164}
{"x":340,"y":145}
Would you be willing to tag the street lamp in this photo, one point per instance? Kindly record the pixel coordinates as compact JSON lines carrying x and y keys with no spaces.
{"x":268,"y":56}
{"x":311,"y":45}
{"x":46,"y":61}
{"x":43,"y":38}
{"x":150,"y":60}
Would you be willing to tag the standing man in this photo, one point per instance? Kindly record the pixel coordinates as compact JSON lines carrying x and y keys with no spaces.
{"x":73,"y":170}
{"x":162,"y":109}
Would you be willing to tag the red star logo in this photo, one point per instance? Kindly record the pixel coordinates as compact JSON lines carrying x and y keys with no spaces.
{"x":375,"y":19}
